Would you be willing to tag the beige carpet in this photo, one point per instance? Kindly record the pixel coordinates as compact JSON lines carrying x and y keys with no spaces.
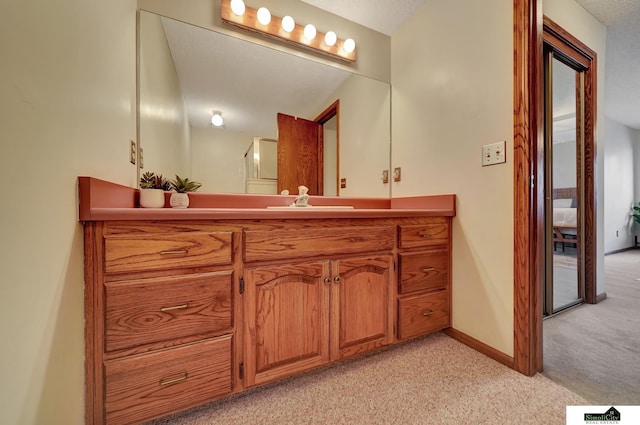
{"x":595,"y":349}
{"x":435,"y":380}
{"x":567,"y":261}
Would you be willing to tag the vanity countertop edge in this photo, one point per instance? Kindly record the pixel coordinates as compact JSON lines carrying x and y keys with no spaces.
{"x":100,"y":200}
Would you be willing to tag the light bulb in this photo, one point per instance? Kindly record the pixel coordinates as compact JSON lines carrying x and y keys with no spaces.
{"x":264,"y":16}
{"x":330,"y":38}
{"x":216,"y":119}
{"x":288,"y":24}
{"x":237,"y":7}
{"x":349,"y":45}
{"x":310,"y":31}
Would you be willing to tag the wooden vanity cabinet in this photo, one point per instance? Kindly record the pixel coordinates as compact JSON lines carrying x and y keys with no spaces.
{"x":286,"y":320}
{"x":182,"y":312}
{"x":361,"y":318}
{"x":307,"y":312}
{"x":160,"y":318}
{"x":424,"y":276}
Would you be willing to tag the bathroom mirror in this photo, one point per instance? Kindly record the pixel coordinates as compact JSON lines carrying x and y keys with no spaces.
{"x":186,"y":72}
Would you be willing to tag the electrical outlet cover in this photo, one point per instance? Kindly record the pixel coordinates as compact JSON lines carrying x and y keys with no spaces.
{"x":494,"y":154}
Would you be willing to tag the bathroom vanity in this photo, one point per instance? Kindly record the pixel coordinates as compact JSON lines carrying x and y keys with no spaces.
{"x":187,"y":306}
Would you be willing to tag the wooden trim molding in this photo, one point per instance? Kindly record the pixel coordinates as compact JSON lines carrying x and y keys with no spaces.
{"x":481,"y":347}
{"x":527,"y":129}
{"x":332,"y":111}
{"x":582,"y":57}
{"x":529,"y":26}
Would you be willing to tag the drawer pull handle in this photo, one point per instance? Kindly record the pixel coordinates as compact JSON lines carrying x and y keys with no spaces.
{"x":426,"y":235}
{"x":177,"y":252}
{"x":175,"y":307}
{"x":428,"y":269}
{"x":337,"y":279}
{"x":427,"y":313}
{"x":173,"y":380}
{"x":327,"y":280}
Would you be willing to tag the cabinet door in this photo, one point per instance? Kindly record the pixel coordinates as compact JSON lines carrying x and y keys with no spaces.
{"x":360,"y":319}
{"x":287,"y":320}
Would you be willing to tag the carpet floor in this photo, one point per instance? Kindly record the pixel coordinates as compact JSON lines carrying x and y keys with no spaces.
{"x":594,"y":349}
{"x":434,"y":380}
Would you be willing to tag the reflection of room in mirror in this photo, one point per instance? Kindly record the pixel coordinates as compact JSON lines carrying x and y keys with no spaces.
{"x":249,"y":84}
{"x":261,"y":163}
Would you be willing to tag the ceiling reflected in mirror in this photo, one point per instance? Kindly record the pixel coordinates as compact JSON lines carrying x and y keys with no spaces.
{"x":247,"y":82}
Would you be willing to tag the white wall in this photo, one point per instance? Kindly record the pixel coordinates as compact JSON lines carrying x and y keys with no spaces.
{"x":218,"y":159}
{"x":619,"y":185}
{"x":636,"y":167}
{"x":579,"y":23}
{"x":67,"y":108}
{"x":564,"y":164}
{"x":452,"y":92}
{"x":164,"y":126}
{"x":364,"y":135}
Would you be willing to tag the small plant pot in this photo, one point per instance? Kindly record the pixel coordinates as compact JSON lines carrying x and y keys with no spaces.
{"x":151,"y":198}
{"x":179,"y":200}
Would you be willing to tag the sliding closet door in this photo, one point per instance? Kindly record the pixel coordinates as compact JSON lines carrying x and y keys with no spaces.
{"x":564,"y":149}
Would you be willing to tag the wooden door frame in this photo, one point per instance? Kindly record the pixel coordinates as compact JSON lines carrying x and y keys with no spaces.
{"x":529,"y":26}
{"x":332,"y":111}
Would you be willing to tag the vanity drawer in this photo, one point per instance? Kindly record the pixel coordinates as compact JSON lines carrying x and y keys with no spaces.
{"x":143,"y":387}
{"x":153,"y":310}
{"x":421,"y":314}
{"x":134,"y":253}
{"x":424,"y":235}
{"x":281,"y":244}
{"x":423,"y":271}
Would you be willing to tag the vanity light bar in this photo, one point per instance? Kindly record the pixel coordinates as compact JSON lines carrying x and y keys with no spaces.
{"x":249,"y":20}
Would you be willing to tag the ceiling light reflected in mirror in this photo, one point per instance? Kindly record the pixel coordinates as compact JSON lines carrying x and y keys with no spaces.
{"x":216,"y":119}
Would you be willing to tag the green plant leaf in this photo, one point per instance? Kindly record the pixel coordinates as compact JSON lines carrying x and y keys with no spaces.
{"x":183,"y":185}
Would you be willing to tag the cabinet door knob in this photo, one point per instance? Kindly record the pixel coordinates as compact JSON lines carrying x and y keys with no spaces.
{"x":428,"y":269}
{"x":427,"y":313}
{"x":337,"y":279}
{"x":327,"y":280}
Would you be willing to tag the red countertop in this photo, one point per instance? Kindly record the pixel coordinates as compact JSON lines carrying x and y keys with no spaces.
{"x":100,"y":200}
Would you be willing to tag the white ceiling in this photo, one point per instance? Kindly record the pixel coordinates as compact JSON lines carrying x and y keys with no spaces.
{"x":384,"y":16}
{"x":622,"y":63}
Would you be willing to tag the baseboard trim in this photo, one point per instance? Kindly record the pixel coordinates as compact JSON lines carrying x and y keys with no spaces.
{"x":601,"y":297}
{"x":481,"y":347}
{"x":617,"y":251}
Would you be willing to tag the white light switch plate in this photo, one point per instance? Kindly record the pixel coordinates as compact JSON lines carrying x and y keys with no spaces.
{"x":494,"y":154}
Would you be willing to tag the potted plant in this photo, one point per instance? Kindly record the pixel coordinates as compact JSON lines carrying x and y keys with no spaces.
{"x":152,"y":188}
{"x":180,"y":198}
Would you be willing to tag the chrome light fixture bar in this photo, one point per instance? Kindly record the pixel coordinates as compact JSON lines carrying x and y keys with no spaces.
{"x":248,"y":19}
